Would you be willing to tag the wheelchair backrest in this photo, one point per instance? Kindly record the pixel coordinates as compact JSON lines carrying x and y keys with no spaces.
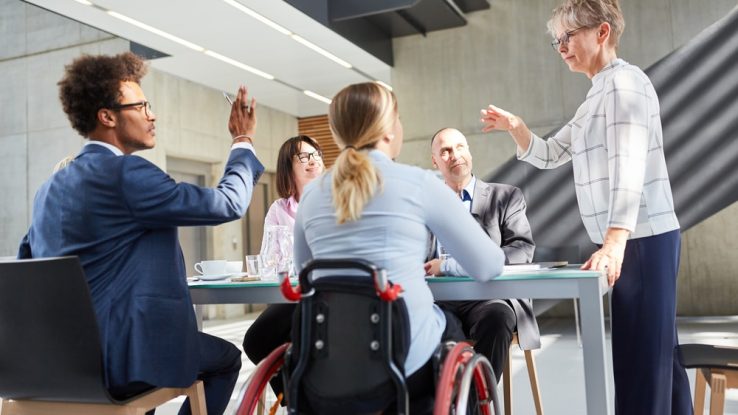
{"x":349,"y":347}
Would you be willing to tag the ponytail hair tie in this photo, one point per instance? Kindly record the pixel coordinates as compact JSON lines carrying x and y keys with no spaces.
{"x":349,"y":147}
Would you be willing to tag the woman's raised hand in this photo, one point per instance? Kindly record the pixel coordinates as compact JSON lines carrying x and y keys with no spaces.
{"x":495,"y":118}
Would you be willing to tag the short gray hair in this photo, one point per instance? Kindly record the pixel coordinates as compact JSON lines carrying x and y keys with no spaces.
{"x":573,"y":14}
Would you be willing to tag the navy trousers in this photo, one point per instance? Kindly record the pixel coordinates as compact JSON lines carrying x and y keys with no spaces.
{"x":220,"y":362}
{"x":649,"y":376}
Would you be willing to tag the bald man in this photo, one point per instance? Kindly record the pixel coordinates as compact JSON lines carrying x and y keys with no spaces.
{"x":500,"y":211}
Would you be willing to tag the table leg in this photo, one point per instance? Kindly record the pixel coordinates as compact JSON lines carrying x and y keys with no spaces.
{"x":199,"y":311}
{"x":593,"y":341}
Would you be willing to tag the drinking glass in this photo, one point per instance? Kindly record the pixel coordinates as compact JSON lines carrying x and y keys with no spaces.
{"x":276,"y":252}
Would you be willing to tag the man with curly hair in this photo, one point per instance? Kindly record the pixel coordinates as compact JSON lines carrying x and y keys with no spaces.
{"x":119,"y":214}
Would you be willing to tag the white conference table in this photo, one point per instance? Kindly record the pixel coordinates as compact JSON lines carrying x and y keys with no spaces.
{"x":570,"y":282}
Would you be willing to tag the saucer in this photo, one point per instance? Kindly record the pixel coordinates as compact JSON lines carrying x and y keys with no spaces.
{"x":213,"y":277}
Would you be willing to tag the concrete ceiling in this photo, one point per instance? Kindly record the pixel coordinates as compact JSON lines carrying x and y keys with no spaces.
{"x":219,"y":27}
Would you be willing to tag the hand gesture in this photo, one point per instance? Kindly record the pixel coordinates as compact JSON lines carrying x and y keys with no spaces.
{"x":497,"y":119}
{"x":242,"y":122}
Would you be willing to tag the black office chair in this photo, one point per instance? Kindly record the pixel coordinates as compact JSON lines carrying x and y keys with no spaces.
{"x":50,"y":355}
{"x":350,"y":340}
{"x":716,"y":366}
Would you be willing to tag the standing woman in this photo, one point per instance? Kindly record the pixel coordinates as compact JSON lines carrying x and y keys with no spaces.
{"x":367,"y":206}
{"x":615,"y":144}
{"x":300,"y":161}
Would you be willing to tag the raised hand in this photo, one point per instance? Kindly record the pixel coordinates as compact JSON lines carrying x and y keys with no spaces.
{"x":495,"y":118}
{"x":242,"y":122}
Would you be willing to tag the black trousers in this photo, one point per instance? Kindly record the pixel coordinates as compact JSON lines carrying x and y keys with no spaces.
{"x":220,"y":362}
{"x":269,"y":331}
{"x":490,"y":324}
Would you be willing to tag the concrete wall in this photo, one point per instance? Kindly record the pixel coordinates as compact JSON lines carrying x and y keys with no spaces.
{"x":35,"y":133}
{"x":503,"y":56}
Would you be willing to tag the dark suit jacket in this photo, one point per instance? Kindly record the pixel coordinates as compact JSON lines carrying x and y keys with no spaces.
{"x":120,"y":215}
{"x":500,"y":211}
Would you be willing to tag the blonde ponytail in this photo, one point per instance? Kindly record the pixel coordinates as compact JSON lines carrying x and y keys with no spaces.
{"x":355,"y":180}
{"x":359,"y":116}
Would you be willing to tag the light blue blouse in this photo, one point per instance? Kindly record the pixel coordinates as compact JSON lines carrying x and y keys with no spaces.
{"x":393,"y":234}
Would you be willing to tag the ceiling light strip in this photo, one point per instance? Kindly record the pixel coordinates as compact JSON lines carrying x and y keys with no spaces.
{"x":284,"y":31}
{"x":156,"y":31}
{"x":238,"y":64}
{"x":319,"y":97}
{"x":258,"y":17}
{"x":316,"y":48}
{"x":234,"y":62}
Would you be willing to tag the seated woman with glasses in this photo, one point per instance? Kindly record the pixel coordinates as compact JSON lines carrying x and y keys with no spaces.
{"x":300,"y":161}
{"x":370,"y":207}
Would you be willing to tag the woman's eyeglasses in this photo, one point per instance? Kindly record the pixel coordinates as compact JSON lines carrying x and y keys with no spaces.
{"x":564,"y":39}
{"x":304,"y":156}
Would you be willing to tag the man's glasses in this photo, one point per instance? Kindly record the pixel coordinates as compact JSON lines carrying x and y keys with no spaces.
{"x":145,"y":104}
{"x":564,"y":39}
{"x":304,"y":156}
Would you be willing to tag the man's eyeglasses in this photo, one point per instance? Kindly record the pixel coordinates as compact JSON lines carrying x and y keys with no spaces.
{"x":304,"y":156}
{"x":145,"y":104}
{"x":564,"y":39}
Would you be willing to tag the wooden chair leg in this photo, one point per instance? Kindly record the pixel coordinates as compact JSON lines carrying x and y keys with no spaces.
{"x":3,"y":409}
{"x":700,"y":385}
{"x":507,"y":384}
{"x":196,"y":393}
{"x":261,"y":403}
{"x":718,"y":382}
{"x":533,"y":377}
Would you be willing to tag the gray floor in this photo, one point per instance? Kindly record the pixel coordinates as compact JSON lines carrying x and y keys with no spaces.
{"x":559,"y":362}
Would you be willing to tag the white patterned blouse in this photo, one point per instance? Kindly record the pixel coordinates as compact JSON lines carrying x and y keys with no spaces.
{"x":615,"y":143}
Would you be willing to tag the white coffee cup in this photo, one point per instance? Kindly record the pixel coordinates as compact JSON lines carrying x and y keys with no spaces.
{"x":215,"y":267}
{"x":234,"y":267}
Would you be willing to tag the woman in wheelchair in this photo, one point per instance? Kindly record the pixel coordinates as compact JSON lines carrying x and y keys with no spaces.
{"x":372,"y":208}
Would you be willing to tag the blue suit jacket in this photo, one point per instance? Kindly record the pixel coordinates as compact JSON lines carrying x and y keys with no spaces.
{"x":120,"y":215}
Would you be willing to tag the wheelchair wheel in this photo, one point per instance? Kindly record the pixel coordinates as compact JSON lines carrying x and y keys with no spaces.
{"x":257,"y":385}
{"x":461,"y":369}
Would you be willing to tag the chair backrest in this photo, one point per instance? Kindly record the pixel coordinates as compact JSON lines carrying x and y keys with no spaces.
{"x":349,"y":346}
{"x":49,"y":339}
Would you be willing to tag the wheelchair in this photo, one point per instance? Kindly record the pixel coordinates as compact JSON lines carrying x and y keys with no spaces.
{"x":350,"y":337}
